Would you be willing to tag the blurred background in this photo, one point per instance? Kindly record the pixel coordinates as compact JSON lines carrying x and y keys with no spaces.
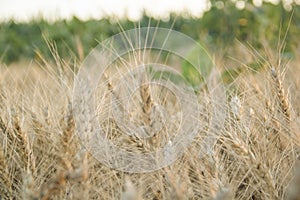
{"x":76,"y":26}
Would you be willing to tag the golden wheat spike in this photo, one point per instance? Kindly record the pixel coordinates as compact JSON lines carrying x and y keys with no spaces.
{"x":281,"y":94}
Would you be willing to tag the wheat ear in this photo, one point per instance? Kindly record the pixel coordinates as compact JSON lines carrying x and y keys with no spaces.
{"x":147,"y":101}
{"x":282,"y":96}
{"x":5,"y":183}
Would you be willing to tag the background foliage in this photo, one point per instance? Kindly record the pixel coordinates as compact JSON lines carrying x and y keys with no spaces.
{"x":218,"y":28}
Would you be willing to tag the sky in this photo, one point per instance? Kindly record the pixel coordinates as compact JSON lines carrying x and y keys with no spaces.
{"x":24,"y":10}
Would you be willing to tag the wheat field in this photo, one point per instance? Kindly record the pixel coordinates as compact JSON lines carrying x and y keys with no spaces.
{"x":255,"y":155}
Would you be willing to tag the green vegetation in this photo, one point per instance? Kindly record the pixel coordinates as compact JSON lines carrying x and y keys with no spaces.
{"x":218,"y":27}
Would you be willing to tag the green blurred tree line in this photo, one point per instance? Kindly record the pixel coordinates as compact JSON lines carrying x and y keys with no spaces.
{"x":220,"y":26}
